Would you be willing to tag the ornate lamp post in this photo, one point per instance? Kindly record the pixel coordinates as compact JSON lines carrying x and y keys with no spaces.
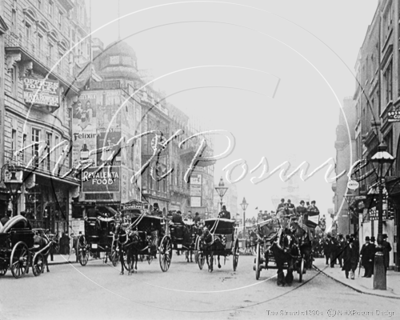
{"x":244,"y":205}
{"x":9,"y":174}
{"x":221,"y":190}
{"x":383,"y":162}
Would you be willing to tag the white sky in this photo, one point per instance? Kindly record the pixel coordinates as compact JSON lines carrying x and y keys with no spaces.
{"x":300,"y":42}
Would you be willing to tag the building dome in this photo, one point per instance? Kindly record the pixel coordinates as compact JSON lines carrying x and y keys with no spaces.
{"x":118,"y":61}
{"x":120,"y":48}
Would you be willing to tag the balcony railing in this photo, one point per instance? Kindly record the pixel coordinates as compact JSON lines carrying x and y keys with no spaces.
{"x":39,"y":54}
{"x":29,"y":162}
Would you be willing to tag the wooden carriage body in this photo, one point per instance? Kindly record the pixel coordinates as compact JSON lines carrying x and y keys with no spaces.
{"x":98,"y":233}
{"x":224,"y":229}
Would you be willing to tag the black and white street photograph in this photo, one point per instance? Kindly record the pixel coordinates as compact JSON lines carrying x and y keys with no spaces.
{"x":199,"y":159}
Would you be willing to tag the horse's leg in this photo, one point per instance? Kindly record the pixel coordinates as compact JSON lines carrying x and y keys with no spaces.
{"x":289,"y":273}
{"x":219,"y":263}
{"x":187,"y":255}
{"x":191,"y":255}
{"x":121,"y":260}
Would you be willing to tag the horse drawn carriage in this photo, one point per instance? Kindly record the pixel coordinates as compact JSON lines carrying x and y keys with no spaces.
{"x":279,"y":247}
{"x":19,"y":250}
{"x":142,"y":235}
{"x":218,"y":238}
{"x":98,"y":237}
{"x":183,"y":237}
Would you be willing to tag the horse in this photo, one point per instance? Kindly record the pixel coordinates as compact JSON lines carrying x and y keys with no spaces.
{"x":304,"y":242}
{"x":210,"y":243}
{"x":190,"y":238}
{"x":126,"y":241}
{"x":284,"y":250}
{"x":40,"y":242}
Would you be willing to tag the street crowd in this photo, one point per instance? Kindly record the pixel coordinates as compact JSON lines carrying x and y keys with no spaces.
{"x":346,"y":252}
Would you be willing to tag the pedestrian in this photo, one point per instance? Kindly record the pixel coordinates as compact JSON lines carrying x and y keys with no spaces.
{"x":196,"y":219}
{"x":373,"y":257}
{"x":64,"y":243}
{"x":350,"y":257}
{"x":327,"y":248}
{"x":342,"y":243}
{"x":386,"y":249}
{"x":367,"y":255}
{"x":334,"y":251}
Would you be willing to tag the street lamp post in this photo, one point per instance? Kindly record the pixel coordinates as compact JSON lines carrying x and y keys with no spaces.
{"x":221,"y":190}
{"x":244,"y":205}
{"x":9,"y":176}
{"x":381,"y":158}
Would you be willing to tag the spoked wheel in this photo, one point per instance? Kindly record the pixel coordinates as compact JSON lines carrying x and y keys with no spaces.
{"x":301,"y":270}
{"x":38,"y":264}
{"x":235,"y":255}
{"x":201,"y":259}
{"x":83,"y":252}
{"x":258,"y":261}
{"x":19,"y":260}
{"x":165,"y":254}
{"x":3,"y":270}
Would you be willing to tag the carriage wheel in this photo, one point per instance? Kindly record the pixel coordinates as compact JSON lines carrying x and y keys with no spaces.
{"x":235,"y":255}
{"x":258,"y":262}
{"x":38,"y":264}
{"x":83,"y":252}
{"x":3,"y":270}
{"x":201,"y":259}
{"x":19,"y":260}
{"x":301,"y":270}
{"x":165,"y":253}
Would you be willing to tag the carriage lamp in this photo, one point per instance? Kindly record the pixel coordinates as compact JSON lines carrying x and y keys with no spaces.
{"x":382,"y":161}
{"x":12,"y":183}
{"x":244,"y":205}
{"x":221,"y":190}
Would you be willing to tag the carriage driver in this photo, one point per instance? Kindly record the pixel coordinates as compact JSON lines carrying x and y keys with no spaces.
{"x":177,"y":218}
{"x":224,"y":213}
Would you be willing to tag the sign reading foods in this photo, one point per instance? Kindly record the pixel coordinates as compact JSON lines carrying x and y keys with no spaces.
{"x":102,"y":181}
{"x":41,"y":92}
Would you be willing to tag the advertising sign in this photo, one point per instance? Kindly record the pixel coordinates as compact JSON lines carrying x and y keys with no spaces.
{"x":103,"y":181}
{"x":394,"y":116}
{"x":195,"y":179}
{"x":77,"y":226}
{"x":195,"y":201}
{"x":195,"y":190}
{"x":40,"y":92}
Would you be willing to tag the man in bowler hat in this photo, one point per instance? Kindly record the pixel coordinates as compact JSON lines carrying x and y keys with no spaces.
{"x":367,"y":257}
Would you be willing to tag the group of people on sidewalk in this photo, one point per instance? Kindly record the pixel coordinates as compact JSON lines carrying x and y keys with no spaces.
{"x":347,"y":252}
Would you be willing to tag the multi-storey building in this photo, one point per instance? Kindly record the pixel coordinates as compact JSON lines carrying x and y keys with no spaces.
{"x":3,"y":190}
{"x":345,"y":200}
{"x":377,"y":102}
{"x":39,"y":90}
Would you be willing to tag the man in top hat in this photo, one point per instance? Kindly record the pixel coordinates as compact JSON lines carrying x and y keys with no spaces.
{"x":281,"y":205}
{"x":225,"y":214}
{"x":177,"y":218}
{"x":367,"y":257}
{"x":386,"y":249}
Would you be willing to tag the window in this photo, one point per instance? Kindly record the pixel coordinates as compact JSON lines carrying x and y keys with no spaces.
{"x":14,"y":81}
{"x":40,"y":43}
{"x":49,"y":137}
{"x":13,"y":143}
{"x":50,"y":8}
{"x":60,"y":17}
{"x":35,"y":145}
{"x":23,"y":146}
{"x":39,"y":4}
{"x":28,"y":34}
{"x":388,"y":83}
{"x":13,"y":21}
{"x":50,"y":54}
{"x":57,"y":151}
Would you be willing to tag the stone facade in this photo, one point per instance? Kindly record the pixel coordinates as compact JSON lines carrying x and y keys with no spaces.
{"x":39,"y":89}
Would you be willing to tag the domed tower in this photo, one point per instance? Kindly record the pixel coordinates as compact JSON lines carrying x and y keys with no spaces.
{"x":118,"y":62}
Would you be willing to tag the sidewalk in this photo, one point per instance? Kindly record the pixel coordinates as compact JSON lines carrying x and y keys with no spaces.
{"x":362,"y":285}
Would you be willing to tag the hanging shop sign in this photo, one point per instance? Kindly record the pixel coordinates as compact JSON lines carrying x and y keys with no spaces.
{"x":41,"y":92}
{"x":353,"y":185}
{"x":394,"y":116}
{"x":104,"y":180}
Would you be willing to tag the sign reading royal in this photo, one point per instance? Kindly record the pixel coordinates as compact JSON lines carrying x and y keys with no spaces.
{"x":41,"y":92}
{"x":103,"y":181}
